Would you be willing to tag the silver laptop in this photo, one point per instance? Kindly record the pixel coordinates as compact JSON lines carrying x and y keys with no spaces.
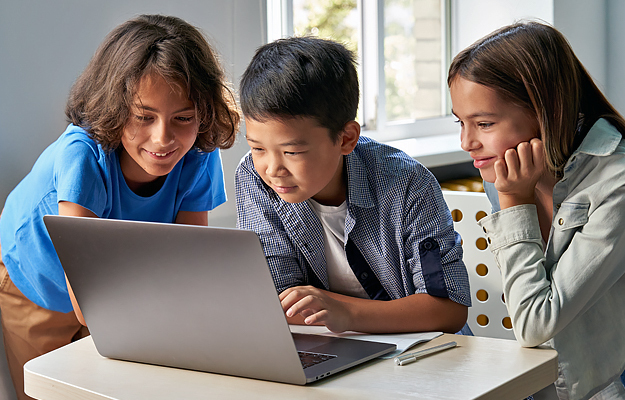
{"x":192,"y":297}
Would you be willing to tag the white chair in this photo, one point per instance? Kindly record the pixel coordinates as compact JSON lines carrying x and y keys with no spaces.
{"x":488,"y":316}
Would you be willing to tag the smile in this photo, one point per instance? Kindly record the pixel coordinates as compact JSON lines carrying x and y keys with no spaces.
{"x":482,"y":162}
{"x":160,"y":155}
{"x":283,"y":189}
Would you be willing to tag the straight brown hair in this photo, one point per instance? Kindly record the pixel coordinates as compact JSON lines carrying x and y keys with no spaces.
{"x":532,"y":65}
{"x":101,"y":98}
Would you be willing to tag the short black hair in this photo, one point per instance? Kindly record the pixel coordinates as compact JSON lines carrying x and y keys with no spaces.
{"x":302,"y":77}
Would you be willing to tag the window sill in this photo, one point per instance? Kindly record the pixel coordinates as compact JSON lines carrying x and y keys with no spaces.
{"x":433,"y":151}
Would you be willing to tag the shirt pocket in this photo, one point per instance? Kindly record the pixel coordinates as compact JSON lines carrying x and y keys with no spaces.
{"x":571,"y":218}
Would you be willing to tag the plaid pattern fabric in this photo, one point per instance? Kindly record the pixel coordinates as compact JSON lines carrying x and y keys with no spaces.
{"x":394,"y":203}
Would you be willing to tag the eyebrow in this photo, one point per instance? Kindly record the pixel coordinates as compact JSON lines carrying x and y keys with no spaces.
{"x":296,"y":142}
{"x":148,"y":108}
{"x":477,"y":114}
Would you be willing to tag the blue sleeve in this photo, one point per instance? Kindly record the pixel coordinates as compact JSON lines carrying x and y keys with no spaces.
{"x":202,"y":181}
{"x":79,"y":175}
{"x":493,"y":196}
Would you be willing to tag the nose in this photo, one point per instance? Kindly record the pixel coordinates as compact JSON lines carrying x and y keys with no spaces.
{"x":468,"y":141}
{"x":163,"y":134}
{"x":275,"y":167}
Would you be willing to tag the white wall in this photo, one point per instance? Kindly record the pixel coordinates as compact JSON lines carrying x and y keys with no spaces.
{"x":474,"y":19}
{"x":45,"y":45}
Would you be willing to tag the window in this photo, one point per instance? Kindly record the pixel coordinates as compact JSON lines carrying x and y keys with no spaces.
{"x":403,"y":93}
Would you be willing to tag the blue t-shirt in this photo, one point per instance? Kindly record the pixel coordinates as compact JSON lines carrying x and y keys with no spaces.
{"x":75,"y":169}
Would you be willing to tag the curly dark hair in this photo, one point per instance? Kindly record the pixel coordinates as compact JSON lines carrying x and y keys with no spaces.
{"x":101,"y":98}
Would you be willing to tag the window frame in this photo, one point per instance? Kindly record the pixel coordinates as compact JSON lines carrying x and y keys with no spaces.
{"x":372,"y":79}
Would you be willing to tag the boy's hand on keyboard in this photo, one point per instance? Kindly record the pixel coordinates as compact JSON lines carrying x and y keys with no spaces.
{"x":316,"y":307}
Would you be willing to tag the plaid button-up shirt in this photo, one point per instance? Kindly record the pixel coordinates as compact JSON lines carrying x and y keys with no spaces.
{"x":396,"y":217}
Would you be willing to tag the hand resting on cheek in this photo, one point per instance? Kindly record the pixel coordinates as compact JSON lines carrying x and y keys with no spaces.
{"x":518,"y":172}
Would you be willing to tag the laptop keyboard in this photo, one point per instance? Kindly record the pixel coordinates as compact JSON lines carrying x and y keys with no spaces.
{"x":309,"y":359}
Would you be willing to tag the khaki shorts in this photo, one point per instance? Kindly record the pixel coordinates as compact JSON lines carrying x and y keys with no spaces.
{"x":30,"y":331}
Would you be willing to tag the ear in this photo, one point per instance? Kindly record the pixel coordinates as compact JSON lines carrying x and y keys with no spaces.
{"x":349,"y":137}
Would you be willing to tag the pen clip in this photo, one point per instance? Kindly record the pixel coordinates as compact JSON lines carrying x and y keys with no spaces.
{"x":411,"y":357}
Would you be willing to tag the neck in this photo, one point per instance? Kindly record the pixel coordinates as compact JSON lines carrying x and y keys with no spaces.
{"x":544,"y":186}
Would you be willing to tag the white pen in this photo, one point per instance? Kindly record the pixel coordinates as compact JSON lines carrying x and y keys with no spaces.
{"x":411,"y":357}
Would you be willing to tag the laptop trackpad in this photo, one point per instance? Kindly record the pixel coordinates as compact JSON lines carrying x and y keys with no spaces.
{"x":314,"y":343}
{"x":306,"y":342}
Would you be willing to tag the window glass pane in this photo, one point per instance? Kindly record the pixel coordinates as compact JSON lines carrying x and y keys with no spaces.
{"x":331,"y":19}
{"x":413,"y":59}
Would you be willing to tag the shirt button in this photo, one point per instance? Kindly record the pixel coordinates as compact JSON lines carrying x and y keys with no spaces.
{"x":427,"y":245}
{"x":364,"y":276}
{"x":488,"y":239}
{"x":561,"y":221}
{"x":558,"y":206}
{"x":484,"y":228}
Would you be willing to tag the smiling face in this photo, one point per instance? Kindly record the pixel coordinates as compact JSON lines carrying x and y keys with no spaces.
{"x":298,"y":160}
{"x":489,"y":124}
{"x":161,"y":129}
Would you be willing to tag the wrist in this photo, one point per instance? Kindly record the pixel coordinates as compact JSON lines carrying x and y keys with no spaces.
{"x":511,"y":200}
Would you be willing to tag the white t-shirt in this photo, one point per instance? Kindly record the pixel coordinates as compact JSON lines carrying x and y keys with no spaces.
{"x":340,"y":275}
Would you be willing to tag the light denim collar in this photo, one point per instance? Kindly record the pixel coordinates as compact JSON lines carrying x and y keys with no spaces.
{"x":602,"y":140}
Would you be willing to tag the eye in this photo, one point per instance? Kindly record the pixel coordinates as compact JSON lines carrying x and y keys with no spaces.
{"x":292,"y":153}
{"x":485,"y":125}
{"x":185,"y":119}
{"x":143,"y":117}
{"x":459,"y":122}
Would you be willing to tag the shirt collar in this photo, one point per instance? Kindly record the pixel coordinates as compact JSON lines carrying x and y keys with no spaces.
{"x":359,"y":192}
{"x":601,"y":140}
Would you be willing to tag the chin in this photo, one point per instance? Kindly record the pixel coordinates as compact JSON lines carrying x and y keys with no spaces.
{"x":488,"y":176}
{"x":292,"y":199}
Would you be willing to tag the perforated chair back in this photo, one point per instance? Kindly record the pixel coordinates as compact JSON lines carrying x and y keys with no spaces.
{"x":488,"y":316}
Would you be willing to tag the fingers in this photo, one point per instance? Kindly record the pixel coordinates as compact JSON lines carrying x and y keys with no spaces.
{"x":501,"y":171}
{"x":317,"y":318}
{"x":316,"y":307}
{"x":538,"y":153}
{"x":513,"y":163}
{"x":526,"y":161}
{"x":303,"y":300}
{"x":306,"y":305}
{"x":518,"y":172}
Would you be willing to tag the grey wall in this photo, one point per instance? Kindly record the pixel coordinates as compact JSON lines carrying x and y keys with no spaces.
{"x":584,"y":25}
{"x":597,"y":34}
{"x":615,"y":53}
{"x":45,"y":45}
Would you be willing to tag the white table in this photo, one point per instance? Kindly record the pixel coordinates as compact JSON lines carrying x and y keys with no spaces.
{"x":479,"y":368}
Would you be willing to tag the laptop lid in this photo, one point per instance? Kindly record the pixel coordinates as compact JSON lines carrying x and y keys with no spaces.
{"x":186,"y":296}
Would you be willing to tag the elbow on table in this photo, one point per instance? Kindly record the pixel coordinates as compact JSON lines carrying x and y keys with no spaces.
{"x":530,"y":337}
{"x":456,"y":319}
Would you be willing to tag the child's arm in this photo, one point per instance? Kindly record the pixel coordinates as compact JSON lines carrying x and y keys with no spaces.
{"x":192,"y":218}
{"x":73,"y":209}
{"x":416,"y":313}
